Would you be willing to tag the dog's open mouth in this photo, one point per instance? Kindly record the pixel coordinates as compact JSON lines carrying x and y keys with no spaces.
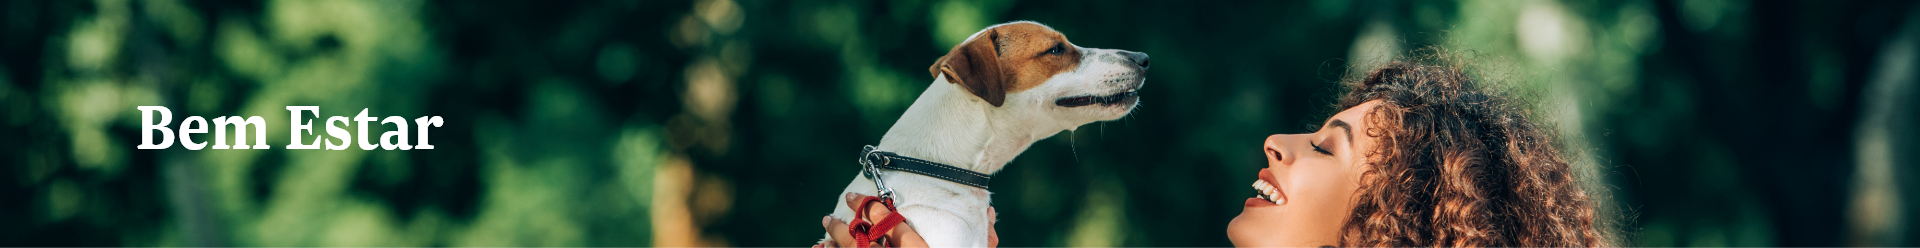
{"x":1107,"y":100}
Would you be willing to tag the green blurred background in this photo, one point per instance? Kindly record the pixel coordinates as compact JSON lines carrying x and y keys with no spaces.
{"x":735,"y":122}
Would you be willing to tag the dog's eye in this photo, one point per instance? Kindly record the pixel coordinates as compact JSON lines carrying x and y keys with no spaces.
{"x":1057,"y":49}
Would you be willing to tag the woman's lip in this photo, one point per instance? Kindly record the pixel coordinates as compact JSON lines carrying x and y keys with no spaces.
{"x":1257,"y":202}
{"x":1267,"y":174}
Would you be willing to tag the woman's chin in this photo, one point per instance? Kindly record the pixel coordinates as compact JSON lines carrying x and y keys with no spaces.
{"x":1238,"y":232}
{"x":1244,"y":232}
{"x":1256,"y":225}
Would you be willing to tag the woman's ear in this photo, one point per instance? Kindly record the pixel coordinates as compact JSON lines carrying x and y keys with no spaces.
{"x":975,"y":65}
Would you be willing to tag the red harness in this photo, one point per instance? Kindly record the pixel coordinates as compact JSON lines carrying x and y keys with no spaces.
{"x":866,"y":233}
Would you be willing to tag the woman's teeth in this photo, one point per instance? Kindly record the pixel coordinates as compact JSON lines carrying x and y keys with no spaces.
{"x":1268,"y":192}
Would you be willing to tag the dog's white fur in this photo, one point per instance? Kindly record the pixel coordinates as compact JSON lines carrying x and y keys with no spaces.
{"x":947,"y":124}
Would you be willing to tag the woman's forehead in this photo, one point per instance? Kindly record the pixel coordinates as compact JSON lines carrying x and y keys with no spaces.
{"x":1356,"y":115}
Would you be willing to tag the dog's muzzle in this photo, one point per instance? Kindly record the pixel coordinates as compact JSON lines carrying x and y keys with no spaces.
{"x":1139,"y":61}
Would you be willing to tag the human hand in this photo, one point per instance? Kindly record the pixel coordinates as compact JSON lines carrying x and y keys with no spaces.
{"x":901,"y":235}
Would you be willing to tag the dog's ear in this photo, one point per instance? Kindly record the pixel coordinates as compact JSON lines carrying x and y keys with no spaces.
{"x":975,"y":65}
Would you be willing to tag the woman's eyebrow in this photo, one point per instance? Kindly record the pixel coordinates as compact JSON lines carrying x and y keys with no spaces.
{"x":1344,"y":128}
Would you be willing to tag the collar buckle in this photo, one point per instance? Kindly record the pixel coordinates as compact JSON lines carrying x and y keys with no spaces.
{"x":871,"y":159}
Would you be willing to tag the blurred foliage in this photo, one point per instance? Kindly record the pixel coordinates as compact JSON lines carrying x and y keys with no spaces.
{"x":724,"y":123}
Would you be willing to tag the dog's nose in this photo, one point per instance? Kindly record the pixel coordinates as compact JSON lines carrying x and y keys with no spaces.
{"x":1138,"y":58}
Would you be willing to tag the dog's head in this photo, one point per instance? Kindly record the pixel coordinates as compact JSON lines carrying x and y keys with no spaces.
{"x":1032,"y":70}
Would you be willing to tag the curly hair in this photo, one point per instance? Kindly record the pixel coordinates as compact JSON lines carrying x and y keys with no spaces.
{"x":1459,"y":165}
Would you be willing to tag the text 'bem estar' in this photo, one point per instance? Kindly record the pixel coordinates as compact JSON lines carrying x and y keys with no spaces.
{"x":390,"y":140}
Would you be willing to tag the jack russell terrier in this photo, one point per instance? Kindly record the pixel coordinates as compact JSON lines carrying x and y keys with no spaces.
{"x":992,"y":96}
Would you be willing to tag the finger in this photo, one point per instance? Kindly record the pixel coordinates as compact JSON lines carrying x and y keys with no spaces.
{"x":900,"y":233}
{"x":853,"y":200}
{"x":993,"y":237}
{"x":875,"y":210}
{"x":993,"y":234}
{"x":838,"y":230}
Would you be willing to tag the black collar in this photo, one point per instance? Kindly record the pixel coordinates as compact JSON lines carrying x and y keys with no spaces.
{"x":893,"y":161}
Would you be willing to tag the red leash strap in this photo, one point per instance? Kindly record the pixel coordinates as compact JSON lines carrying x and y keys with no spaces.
{"x":865,"y":233}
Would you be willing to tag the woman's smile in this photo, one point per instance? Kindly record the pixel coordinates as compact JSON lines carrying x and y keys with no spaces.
{"x":1266,"y":190}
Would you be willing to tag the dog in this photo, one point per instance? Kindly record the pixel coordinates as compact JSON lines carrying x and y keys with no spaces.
{"x":992,"y":97}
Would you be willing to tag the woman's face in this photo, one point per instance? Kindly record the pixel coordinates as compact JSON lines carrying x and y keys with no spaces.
{"x":1314,"y":177}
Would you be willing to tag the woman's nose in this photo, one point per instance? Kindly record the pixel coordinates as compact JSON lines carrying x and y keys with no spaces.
{"x":1277,"y":151}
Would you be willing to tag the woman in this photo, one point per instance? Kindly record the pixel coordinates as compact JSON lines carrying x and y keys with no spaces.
{"x":1421,"y":154}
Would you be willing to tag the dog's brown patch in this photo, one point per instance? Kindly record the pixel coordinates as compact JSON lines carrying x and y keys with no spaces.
{"x":1007,"y":59}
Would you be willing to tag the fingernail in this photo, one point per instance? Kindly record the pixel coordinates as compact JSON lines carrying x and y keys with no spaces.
{"x":825,"y":219}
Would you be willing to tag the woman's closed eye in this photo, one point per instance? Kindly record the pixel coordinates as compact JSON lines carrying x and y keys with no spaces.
{"x":1317,"y":148}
